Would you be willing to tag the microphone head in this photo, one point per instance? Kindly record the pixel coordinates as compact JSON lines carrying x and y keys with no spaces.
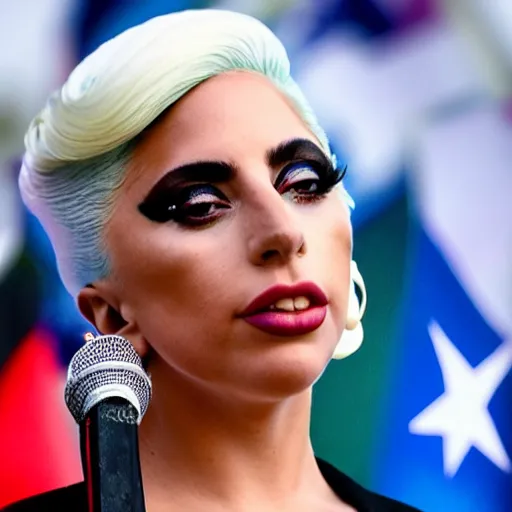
{"x":106,"y":367}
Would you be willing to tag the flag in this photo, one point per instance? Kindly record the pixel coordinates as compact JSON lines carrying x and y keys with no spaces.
{"x":447,"y":436}
{"x":366,"y":90}
{"x":38,"y":443}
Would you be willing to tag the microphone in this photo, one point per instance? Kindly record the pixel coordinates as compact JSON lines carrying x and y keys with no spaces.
{"x":108,"y":392}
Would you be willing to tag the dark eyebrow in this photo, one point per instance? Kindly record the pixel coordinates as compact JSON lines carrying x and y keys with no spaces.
{"x":293,"y":150}
{"x":207,"y":171}
{"x":221,"y":172}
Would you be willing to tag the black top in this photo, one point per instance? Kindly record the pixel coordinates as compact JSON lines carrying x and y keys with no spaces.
{"x":73,"y":498}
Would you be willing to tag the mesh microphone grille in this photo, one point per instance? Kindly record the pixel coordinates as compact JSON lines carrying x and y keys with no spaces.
{"x":105,"y":367}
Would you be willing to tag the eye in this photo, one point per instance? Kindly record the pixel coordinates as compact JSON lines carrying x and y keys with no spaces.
{"x":194,"y":205}
{"x":307,"y":181}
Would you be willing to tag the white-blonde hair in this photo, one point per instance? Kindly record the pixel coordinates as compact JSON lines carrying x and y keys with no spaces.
{"x":79,"y":145}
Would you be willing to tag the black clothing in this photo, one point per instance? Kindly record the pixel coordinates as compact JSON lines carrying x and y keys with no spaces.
{"x":73,"y":498}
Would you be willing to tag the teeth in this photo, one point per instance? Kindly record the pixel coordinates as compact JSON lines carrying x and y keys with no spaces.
{"x":297,"y":304}
{"x":301,"y":303}
{"x":285,"y":304}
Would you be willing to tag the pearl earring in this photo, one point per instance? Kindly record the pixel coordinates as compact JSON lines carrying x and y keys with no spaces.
{"x":352,"y":336}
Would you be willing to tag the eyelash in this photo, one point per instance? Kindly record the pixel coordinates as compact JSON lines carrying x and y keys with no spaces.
{"x":327,"y":178}
{"x":174,"y":208}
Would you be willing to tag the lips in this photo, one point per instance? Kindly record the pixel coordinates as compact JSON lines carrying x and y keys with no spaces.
{"x":285,"y":323}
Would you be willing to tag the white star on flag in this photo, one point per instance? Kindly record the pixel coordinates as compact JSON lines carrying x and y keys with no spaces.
{"x":460,"y":415}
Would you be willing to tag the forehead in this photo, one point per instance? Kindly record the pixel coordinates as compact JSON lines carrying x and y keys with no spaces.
{"x":233,"y":116}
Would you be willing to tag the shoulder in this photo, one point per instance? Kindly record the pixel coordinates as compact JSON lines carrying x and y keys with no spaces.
{"x":357,"y":496}
{"x":72,"y":498}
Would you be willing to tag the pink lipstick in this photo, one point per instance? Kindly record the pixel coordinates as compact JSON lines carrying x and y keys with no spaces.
{"x":264,"y":314}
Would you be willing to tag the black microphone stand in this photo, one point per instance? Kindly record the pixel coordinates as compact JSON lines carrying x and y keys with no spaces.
{"x":110,"y":457}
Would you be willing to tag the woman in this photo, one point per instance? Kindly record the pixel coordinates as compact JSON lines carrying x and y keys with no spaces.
{"x":191,"y":198}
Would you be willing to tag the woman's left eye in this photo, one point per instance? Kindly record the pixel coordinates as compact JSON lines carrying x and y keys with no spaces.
{"x":307,"y":181}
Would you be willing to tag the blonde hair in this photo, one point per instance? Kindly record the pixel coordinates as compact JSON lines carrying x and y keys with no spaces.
{"x":78,"y":146}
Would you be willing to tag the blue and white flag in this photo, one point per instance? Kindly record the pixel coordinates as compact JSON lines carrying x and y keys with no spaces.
{"x":448,"y":441}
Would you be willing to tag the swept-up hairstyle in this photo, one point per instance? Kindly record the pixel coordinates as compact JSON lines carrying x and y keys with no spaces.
{"x":79,"y":145}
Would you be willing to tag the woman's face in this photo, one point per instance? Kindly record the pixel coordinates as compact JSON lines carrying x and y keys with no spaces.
{"x":226,"y":196}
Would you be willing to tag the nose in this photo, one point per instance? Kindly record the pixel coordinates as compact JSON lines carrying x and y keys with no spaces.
{"x":274,"y":233}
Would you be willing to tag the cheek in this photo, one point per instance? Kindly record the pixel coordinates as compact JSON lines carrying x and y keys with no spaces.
{"x":329,"y":238}
{"x":180,"y":288}
{"x":329,"y":229}
{"x":179,"y":277}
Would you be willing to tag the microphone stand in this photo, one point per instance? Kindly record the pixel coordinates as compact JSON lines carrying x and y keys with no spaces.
{"x":110,"y":457}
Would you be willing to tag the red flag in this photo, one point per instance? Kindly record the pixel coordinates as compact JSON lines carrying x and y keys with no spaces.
{"x":38,"y":441}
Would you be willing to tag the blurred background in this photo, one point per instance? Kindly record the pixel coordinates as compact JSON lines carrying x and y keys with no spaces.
{"x":416,"y":98}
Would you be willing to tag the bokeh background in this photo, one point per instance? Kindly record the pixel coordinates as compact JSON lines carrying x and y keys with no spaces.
{"x":416,"y":97}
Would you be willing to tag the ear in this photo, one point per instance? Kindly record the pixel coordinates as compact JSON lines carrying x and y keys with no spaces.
{"x":99,"y":306}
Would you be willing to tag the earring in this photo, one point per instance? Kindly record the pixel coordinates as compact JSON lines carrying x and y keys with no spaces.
{"x":352,"y":336}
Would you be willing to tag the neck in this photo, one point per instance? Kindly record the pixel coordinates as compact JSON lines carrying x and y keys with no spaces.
{"x":198,"y":450}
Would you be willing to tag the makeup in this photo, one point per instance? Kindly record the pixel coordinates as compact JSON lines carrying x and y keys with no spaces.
{"x":188,"y":195}
{"x":285,"y":310}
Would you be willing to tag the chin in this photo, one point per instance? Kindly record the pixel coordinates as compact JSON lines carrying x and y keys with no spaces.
{"x":289,"y":369}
